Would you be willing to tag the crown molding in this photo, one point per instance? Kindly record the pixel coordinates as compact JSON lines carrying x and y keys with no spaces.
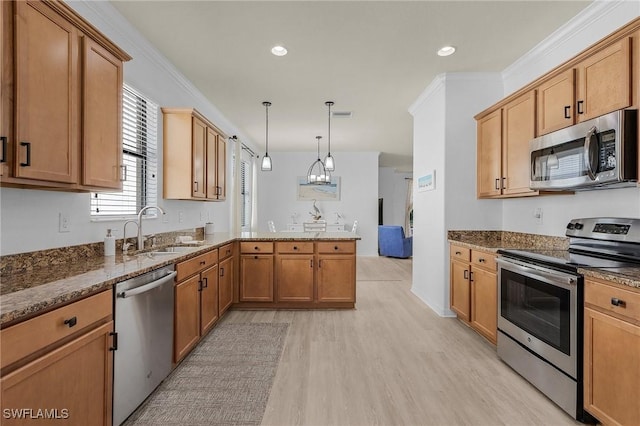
{"x":436,"y":85}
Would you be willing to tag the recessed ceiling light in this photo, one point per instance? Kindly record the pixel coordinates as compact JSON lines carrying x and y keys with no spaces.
{"x":279,"y":50}
{"x":446,"y":51}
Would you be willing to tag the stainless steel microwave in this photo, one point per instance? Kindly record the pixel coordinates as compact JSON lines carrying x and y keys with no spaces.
{"x":601,"y":152}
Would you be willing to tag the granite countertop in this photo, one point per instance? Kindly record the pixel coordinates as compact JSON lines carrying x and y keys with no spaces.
{"x":493,"y":241}
{"x":23,"y":294}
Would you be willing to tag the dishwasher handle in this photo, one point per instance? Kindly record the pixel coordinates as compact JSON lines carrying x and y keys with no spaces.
{"x":148,"y":287}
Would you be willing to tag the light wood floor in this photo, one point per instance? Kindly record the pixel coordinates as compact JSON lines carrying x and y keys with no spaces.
{"x":392,"y":361}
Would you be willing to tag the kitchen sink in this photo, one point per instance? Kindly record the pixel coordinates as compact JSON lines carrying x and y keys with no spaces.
{"x":168,"y":250}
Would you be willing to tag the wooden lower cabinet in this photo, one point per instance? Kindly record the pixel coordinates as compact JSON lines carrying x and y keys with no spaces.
{"x":208,"y":299}
{"x":460,"y":292}
{"x":484,"y":303}
{"x":336,"y":278}
{"x":256,"y":278}
{"x":186,"y":317}
{"x":295,"y":277}
{"x":225,"y":285}
{"x":612,"y":354}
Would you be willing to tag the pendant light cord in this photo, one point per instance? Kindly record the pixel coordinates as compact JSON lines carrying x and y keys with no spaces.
{"x":329,"y":104}
{"x":266,"y":134}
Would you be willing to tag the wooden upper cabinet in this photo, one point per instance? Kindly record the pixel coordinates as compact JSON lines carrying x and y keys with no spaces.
{"x":102,"y":107}
{"x":518,"y":128}
{"x":47,"y":95}
{"x":6,"y":95}
{"x":605,"y":81}
{"x":556,"y":108}
{"x":221,"y":175}
{"x":489,"y":155}
{"x":192,"y":168}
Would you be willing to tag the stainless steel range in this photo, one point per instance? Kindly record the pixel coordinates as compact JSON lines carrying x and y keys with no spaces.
{"x":540,"y":304}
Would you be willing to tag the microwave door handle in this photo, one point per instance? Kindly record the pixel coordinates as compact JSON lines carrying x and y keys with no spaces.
{"x":587,"y":154}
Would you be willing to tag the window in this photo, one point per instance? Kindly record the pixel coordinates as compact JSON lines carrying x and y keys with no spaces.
{"x":246,"y":185}
{"x":139,"y":159}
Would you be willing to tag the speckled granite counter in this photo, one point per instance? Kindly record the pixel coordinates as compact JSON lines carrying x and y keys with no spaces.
{"x":27,"y":292}
{"x":496,"y":240}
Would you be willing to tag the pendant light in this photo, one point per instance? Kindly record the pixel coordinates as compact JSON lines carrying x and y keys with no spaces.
{"x":329,"y":163}
{"x":318,"y":173}
{"x":266,"y":160}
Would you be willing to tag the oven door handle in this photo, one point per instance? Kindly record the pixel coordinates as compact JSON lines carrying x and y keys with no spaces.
{"x":548,"y":275}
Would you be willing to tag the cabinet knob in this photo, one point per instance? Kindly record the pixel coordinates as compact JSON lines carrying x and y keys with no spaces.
{"x":255,"y":257}
{"x":203,"y":262}
{"x":256,"y":248}
{"x":71,"y":321}
{"x":335,"y":247}
{"x":618,"y":302}
{"x":481,"y":260}
{"x":458,"y":253}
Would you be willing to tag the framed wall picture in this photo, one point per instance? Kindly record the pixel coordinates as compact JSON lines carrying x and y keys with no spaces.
{"x":427,"y":182}
{"x":308,"y":191}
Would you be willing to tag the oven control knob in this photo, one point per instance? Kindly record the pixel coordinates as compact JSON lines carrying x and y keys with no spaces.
{"x":570,"y":225}
{"x":529,"y":339}
{"x":579,"y":226}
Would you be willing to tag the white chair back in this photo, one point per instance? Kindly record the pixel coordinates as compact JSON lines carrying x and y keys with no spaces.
{"x":319,"y":226}
{"x":272,"y":226}
{"x":355,"y":226}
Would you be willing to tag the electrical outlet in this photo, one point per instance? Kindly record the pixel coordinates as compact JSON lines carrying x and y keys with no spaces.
{"x":537,"y":214}
{"x":165,"y":217}
{"x":180,"y":216}
{"x":64,"y":222}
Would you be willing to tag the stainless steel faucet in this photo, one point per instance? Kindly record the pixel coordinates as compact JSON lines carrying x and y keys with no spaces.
{"x":141,"y":237}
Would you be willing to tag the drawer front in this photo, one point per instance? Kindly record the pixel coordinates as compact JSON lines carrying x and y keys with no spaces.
{"x":293,"y":247}
{"x":256,"y":247}
{"x":342,"y":247}
{"x":193,"y":266}
{"x":484,"y":260}
{"x":25,"y":338}
{"x":225,"y":251}
{"x":613,"y":299}
{"x":460,"y":253}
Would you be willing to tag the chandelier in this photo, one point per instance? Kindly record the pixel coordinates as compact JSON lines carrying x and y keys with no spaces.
{"x":318,"y":174}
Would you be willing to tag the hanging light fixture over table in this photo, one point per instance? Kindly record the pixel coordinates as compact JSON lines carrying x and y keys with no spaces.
{"x":266,"y":160}
{"x":329,"y":162}
{"x":318,"y":173}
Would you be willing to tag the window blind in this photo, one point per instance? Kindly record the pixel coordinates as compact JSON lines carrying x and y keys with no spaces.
{"x":245,"y":184}
{"x":139,"y":158}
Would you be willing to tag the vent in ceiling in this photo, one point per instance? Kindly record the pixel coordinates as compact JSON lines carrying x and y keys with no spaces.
{"x":342,"y":114}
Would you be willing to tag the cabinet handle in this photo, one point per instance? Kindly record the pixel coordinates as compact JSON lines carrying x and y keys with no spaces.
{"x":218,"y":190}
{"x":255,"y":257}
{"x":311,"y":263}
{"x":28,"y":146}
{"x":567,"y":108}
{"x":203,"y":262}
{"x":466,"y":274}
{"x":71,"y":321}
{"x":618,"y":302}
{"x":580,"y":110}
{"x":458,"y":253}
{"x":320,"y":263}
{"x":115,"y":341}
{"x":228,"y":252}
{"x":471,"y":276}
{"x":222,"y":272}
{"x":481,"y":260}
{"x":200,"y":285}
{"x":504,"y":186}
{"x":206,"y":282}
{"x":196,"y":186}
{"x":4,"y":149}
{"x":295,"y":247}
{"x":498,"y":183}
{"x":123,"y":178}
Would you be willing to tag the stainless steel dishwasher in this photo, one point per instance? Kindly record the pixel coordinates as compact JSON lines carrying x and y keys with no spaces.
{"x":144,"y":332}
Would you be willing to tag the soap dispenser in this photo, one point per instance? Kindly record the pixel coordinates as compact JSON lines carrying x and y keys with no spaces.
{"x":109,"y":244}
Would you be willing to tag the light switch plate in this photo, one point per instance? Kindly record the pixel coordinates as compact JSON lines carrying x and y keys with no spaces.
{"x":64,"y":222}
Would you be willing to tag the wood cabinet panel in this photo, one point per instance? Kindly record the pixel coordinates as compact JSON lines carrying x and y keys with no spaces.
{"x":489,"y":173}
{"x":294,"y":247}
{"x":221,"y":169}
{"x":336,"y":278}
{"x":75,"y":379}
{"x":225,"y":284}
{"x":555,"y":104}
{"x":211,"y":163}
{"x":225,"y":251}
{"x":460,"y":290}
{"x":518,"y":129}
{"x":336,"y":247}
{"x":199,"y":160}
{"x":295,"y":277}
{"x":256,"y":278}
{"x":47,"y":95}
{"x":186,"y":317}
{"x":196,"y":264}
{"x":6,"y":87}
{"x":101,"y":109}
{"x":460,"y":253}
{"x":256,"y":247}
{"x":209,"y":308}
{"x":619,"y":301}
{"x":484,"y":260}
{"x":484,"y":303}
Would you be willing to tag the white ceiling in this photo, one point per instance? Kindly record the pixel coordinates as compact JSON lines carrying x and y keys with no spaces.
{"x":372,"y":58}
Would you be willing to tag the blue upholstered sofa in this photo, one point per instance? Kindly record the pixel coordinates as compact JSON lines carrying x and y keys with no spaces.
{"x":392,"y":242}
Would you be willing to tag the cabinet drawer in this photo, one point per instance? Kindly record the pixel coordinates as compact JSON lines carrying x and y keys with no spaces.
{"x":193,"y":266}
{"x":460,"y":253}
{"x":225,"y":251}
{"x":613,"y":299}
{"x":337,"y":247}
{"x":293,"y":247}
{"x":25,"y":338}
{"x":484,"y":260}
{"x":256,"y":247}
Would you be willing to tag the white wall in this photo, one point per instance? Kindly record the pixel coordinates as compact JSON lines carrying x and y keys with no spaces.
{"x":393,"y":188}
{"x":29,"y":218}
{"x":445,"y":141}
{"x":358,"y":172}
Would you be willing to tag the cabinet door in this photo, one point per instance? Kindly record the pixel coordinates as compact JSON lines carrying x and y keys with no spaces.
{"x":212,"y":164}
{"x":186,"y":317}
{"x":489,"y":155}
{"x":555,"y":103}
{"x":225,"y":285}
{"x":256,"y":278}
{"x":102,"y":118}
{"x":294,"y":278}
{"x":484,"y":303}
{"x":337,"y":278}
{"x":75,"y":380}
{"x":611,"y":369}
{"x":208,"y":299}
{"x":6,"y":86}
{"x":605,"y":81}
{"x":460,"y":292}
{"x":199,"y":160}
{"x":47,"y":103}
{"x":221,"y":170}
{"x":518,"y":129}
